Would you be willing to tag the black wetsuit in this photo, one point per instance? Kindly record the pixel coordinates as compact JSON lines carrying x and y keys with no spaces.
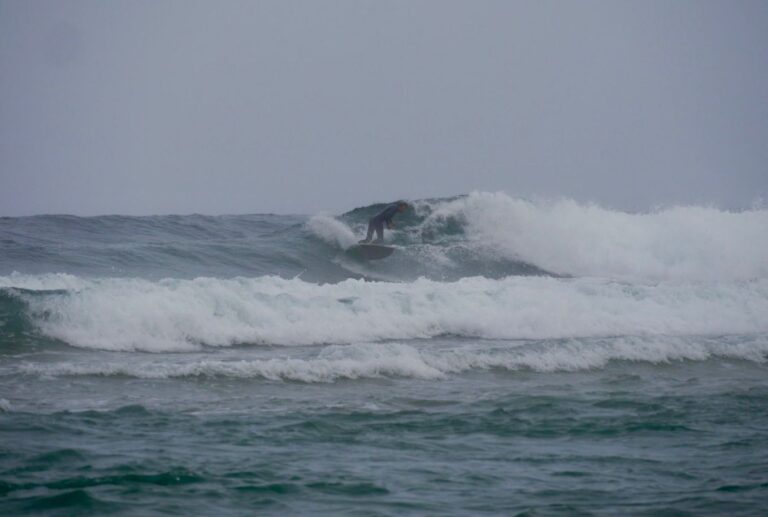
{"x":377,"y":222}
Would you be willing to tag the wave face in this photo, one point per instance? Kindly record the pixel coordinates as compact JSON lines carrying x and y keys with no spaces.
{"x":574,"y":239}
{"x":567,"y":238}
{"x":480,"y":234}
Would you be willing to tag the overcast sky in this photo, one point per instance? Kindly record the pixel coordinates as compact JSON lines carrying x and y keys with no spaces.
{"x":179,"y":106}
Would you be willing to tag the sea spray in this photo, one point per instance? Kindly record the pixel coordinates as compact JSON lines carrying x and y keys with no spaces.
{"x":332,"y":231}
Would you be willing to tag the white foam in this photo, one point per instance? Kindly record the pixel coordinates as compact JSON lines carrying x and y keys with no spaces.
{"x":179,"y":315}
{"x":370,"y":360}
{"x":48,"y":281}
{"x":566,"y":237}
{"x":332,"y":231}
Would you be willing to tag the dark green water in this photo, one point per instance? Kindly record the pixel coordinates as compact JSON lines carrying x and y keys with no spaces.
{"x":679,"y":438}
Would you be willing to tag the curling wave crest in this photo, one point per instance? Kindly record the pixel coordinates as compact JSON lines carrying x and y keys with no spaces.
{"x":570,"y":238}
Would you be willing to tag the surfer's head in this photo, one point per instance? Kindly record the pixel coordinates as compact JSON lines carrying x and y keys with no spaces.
{"x":402,"y":206}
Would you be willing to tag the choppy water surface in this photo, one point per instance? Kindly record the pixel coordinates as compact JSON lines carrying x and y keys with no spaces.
{"x":511,"y":357}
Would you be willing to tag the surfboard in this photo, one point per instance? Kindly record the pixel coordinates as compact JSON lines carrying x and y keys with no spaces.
{"x":371,"y":251}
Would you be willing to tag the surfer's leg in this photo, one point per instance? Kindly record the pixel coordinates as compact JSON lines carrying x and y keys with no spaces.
{"x":371,"y":226}
{"x":379,"y":231}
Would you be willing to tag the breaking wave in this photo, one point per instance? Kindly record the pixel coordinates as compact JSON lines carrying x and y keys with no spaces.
{"x":565,"y":237}
{"x":182,"y":315}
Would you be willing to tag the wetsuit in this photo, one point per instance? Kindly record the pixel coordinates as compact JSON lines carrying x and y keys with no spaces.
{"x":377,"y":222}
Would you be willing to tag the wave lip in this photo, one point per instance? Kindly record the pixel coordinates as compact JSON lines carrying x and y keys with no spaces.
{"x":184,"y":315}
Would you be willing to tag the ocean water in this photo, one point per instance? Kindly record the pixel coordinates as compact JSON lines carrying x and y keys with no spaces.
{"x":511,"y":357}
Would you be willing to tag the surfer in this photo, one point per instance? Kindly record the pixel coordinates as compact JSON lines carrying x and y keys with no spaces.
{"x":385,"y":216}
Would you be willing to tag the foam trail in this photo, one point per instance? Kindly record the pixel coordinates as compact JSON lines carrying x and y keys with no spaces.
{"x":177,"y":315}
{"x":566,"y":237}
{"x":369,"y":360}
{"x":45,"y":282}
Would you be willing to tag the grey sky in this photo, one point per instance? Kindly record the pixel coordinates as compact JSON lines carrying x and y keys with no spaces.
{"x":143,"y":107}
